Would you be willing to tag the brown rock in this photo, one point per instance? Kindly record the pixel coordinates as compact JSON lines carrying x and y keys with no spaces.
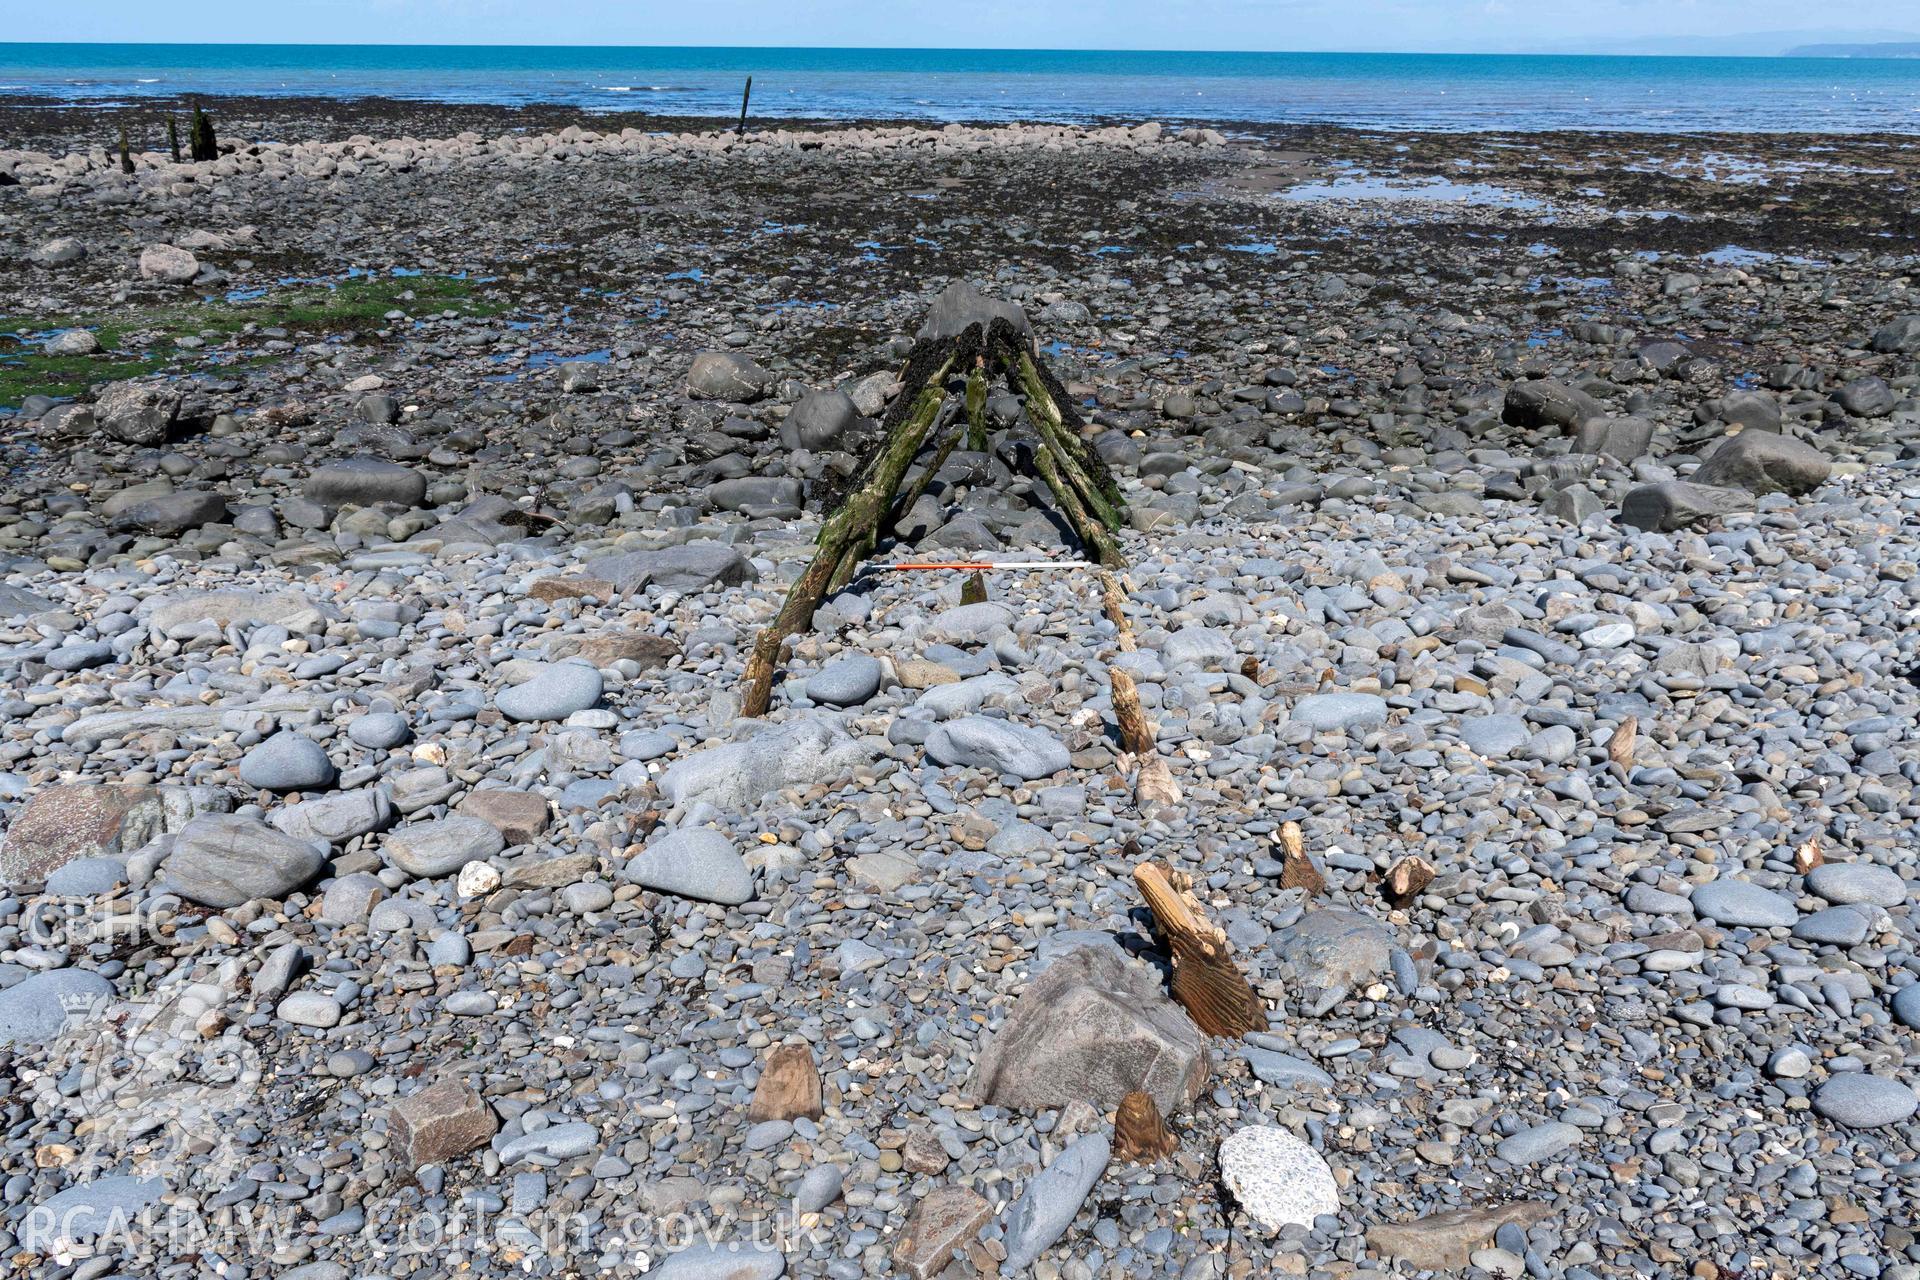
{"x":923,"y":1153}
{"x":442,"y":1121}
{"x":519,"y":816}
{"x":1445,"y":1241}
{"x":944,"y":1220}
{"x":535,"y":872}
{"x":608,"y":647}
{"x":79,"y":820}
{"x":789,"y":1086}
{"x":572,"y":587}
{"x":919,"y":673}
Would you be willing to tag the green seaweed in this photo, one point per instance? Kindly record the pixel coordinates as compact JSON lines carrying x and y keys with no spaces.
{"x":142,"y":340}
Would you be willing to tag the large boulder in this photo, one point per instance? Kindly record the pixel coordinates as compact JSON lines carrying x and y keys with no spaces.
{"x":1092,"y":1028}
{"x":982,"y":742}
{"x":172,"y":514}
{"x":821,"y":420}
{"x":1676,"y":504}
{"x":1901,"y":335}
{"x":694,"y":566}
{"x":727,"y":375}
{"x":1545,"y":402}
{"x":1866,"y":398}
{"x":136,"y":412}
{"x":1622,"y":439}
{"x":739,"y":775}
{"x":1763,"y":462}
{"x":366,"y":482}
{"x":168,"y":265}
{"x":961,"y":305}
{"x":78,"y":820}
{"x":222,"y":860}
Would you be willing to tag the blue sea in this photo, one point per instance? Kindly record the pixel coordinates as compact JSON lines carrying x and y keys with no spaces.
{"x":1453,"y":92}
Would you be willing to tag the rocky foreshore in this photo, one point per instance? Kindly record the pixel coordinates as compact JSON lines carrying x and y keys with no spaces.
{"x":1529,"y":528}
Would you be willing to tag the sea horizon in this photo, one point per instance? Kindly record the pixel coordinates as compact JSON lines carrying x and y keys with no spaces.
{"x":1455,"y":92}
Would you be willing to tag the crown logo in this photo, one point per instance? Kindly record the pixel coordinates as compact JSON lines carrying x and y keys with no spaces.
{"x":82,"y":1005}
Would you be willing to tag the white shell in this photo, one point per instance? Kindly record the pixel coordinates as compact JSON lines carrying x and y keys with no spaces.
{"x":1277,"y":1178}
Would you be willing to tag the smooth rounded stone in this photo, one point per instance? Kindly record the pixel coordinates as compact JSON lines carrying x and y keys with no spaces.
{"x":1340,"y":712}
{"x":168,"y":264}
{"x":1495,"y":737}
{"x":288,"y":761}
{"x":1861,"y":1101}
{"x":471,"y":1004}
{"x":1743,"y":904}
{"x":1609,"y":635}
{"x":1277,"y":1178}
{"x":847,"y":681}
{"x":984,"y":743}
{"x":379,"y":730}
{"x":450,"y":949}
{"x":1052,"y":1199}
{"x":1906,"y":1006}
{"x":366,"y":482}
{"x":586,"y":897}
{"x":968,"y":623}
{"x":309,"y":1009}
{"x":728,"y":376}
{"x":1199,"y":648}
{"x":80,"y":656}
{"x":554,"y":694}
{"x":350,"y":899}
{"x":962,"y":305}
{"x":35,"y":1009}
{"x":442,"y":846}
{"x":1857,"y":883}
{"x":1540,"y":1142}
{"x":87,"y":878}
{"x":698,"y":863}
{"x":738,"y":775}
{"x":768,"y":1134}
{"x":348,"y":1063}
{"x":1837,"y":926}
{"x":1789,"y":1063}
{"x":819,"y":420}
{"x":222,"y":860}
{"x":818,"y":1187}
{"x":336,"y":818}
{"x":555,"y":1142}
{"x":88,"y":1211}
{"x":734,"y":1260}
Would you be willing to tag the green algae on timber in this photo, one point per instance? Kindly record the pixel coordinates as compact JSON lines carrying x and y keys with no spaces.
{"x":142,"y":340}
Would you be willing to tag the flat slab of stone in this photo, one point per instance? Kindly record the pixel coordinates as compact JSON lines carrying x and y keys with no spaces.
{"x":944,"y":1220}
{"x":699,"y":863}
{"x":77,"y":820}
{"x":1446,"y":1241}
{"x":739,"y":775}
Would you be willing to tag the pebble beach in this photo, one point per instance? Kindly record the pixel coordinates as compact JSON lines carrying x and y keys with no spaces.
{"x":1522,"y":568}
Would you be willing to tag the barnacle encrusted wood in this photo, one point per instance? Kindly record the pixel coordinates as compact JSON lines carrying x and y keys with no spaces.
{"x":970,"y":343}
{"x":1205,"y":980}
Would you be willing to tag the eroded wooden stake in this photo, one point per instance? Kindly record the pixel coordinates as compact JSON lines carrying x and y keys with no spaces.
{"x":1205,"y":980}
{"x":1140,"y":1135}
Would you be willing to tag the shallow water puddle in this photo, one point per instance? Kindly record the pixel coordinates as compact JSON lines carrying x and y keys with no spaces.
{"x":1406,"y":189}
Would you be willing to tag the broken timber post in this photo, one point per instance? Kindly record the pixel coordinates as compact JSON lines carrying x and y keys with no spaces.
{"x":1205,"y":980}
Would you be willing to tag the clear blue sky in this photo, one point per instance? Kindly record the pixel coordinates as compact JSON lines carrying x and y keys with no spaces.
{"x":1464,"y":25}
